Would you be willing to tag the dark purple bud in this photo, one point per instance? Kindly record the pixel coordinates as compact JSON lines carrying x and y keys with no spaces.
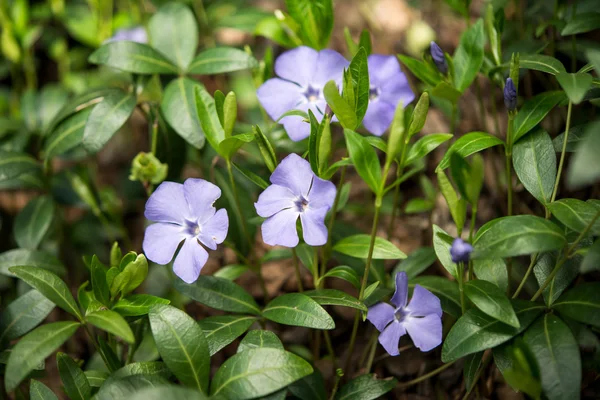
{"x":437,"y":54}
{"x":460,"y":250}
{"x":510,"y":95}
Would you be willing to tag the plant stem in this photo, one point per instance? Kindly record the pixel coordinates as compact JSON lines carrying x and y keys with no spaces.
{"x":338,"y":377}
{"x":453,"y":120}
{"x":93,"y":339}
{"x":327,"y":250}
{"x":394,"y":205}
{"x":482,"y":368}
{"x":297,"y":270}
{"x":508,"y":154}
{"x":330,"y":349}
{"x":461,"y":278}
{"x":371,"y":355}
{"x":529,"y":270}
{"x":562,"y":154}
{"x":426,"y":376}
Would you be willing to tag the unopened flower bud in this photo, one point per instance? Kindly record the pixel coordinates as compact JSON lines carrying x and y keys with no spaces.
{"x":437,"y":54}
{"x":460,"y":250}
{"x":510,"y":95}
{"x":147,"y":168}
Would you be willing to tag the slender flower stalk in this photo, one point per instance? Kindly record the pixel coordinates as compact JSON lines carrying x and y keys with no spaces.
{"x":563,"y":152}
{"x":426,"y":376}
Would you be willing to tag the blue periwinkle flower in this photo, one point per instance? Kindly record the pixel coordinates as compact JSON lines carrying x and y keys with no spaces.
{"x":295,"y":192}
{"x":388,"y":87}
{"x":421,"y":318}
{"x":302,"y":73}
{"x":184,"y":213}
{"x":437,"y":54}
{"x":460,"y":250}
{"x":510,"y":95}
{"x":136,"y":34}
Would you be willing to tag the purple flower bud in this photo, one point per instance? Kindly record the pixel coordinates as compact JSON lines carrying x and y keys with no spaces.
{"x":510,"y":95}
{"x":460,"y":250}
{"x":438,"y":57}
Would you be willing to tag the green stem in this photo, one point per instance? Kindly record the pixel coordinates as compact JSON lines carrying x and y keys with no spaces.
{"x":564,"y":151}
{"x":482,"y":368}
{"x":338,"y":377}
{"x":154,"y":135}
{"x":508,"y":164}
{"x":453,"y":120}
{"x":461,"y":278}
{"x":93,"y":339}
{"x":426,"y":376}
{"x":327,"y":249}
{"x":529,"y":270}
{"x":330,"y":349}
{"x":395,"y":207}
{"x":297,"y":270}
{"x":471,"y":232}
{"x":371,"y":355}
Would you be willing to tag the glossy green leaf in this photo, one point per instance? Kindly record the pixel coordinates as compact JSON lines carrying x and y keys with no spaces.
{"x":423,"y":71}
{"x":468,"y":57}
{"x":127,"y":387}
{"x":445,"y":91}
{"x":441,"y":247}
{"x":74,"y":380}
{"x":14,"y":164}
{"x":584,"y":168}
{"x":33,"y":348}
{"x":23,"y":314}
{"x":265,"y":147}
{"x":33,"y":258}
{"x":50,"y":285}
{"x":358,"y":246}
{"x":259,"y":339}
{"x":475,"y":331}
{"x":573,"y":140}
{"x":541,"y":62}
{"x":149,"y":368}
{"x":252,"y":177}
{"x":557,"y":354}
{"x":168,"y":392}
{"x":209,"y":120}
{"x":581,"y":23}
{"x":492,"y":301}
{"x":458,"y":206}
{"x":492,"y":270}
{"x":298,"y":310}
{"x":133,"y":57}
{"x":575,"y":85}
{"x":311,"y":387}
{"x":519,"y":368}
{"x":343,"y":272}
{"x":219,"y":293}
{"x":33,"y":222}
{"x":516,"y":236}
{"x":360,"y":80}
{"x":534,"y":161}
{"x":315,"y":20}
{"x":67,"y":135}
{"x":39,"y":391}
{"x":365,"y":387}
{"x":416,"y":262}
{"x":222,"y":330}
{"x":470,"y":143}
{"x":111,"y":322}
{"x":178,"y":106}
{"x":534,"y":111}
{"x":470,"y":368}
{"x":364,"y":159}
{"x":179,"y":41}
{"x":99,"y":284}
{"x":444,"y":289}
{"x":182,"y":345}
{"x":137,"y":304}
{"x":106,"y":119}
{"x":582,"y":303}
{"x":591,"y":261}
{"x":343,"y":111}
{"x":333,"y":297}
{"x":219,"y":60}
{"x":96,"y":378}
{"x":425,"y":145}
{"x":575,"y":214}
{"x":468,"y":177}
{"x":258,"y":372}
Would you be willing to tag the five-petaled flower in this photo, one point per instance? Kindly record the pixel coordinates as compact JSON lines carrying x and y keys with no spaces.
{"x":302,"y":73}
{"x":388,"y":87}
{"x":421,"y":318}
{"x":184,"y":213}
{"x":295,"y":192}
{"x":460,"y":250}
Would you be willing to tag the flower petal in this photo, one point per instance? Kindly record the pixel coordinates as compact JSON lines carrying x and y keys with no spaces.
{"x":190,"y":260}
{"x":380,"y":315}
{"x":168,"y":204}
{"x":296,"y":127}
{"x":390,"y":337}
{"x":313,"y":226}
{"x":426,"y":332}
{"x":297,"y":65}
{"x":382,"y":68}
{"x":161,"y":241}
{"x":278,"y":96}
{"x":423,"y":303}
{"x":280,"y":229}
{"x":294,"y":173}
{"x":397,"y":90}
{"x":214,"y":231}
{"x":401,"y":294}
{"x":274,"y":199}
{"x":201,"y":196}
{"x":322,"y":193}
{"x":330,"y":66}
{"x":379,"y":116}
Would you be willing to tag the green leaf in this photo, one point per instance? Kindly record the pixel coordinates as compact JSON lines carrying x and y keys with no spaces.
{"x":441,"y":247}
{"x":179,"y":41}
{"x":260,"y":339}
{"x":343,"y":272}
{"x":168,"y":392}
{"x":591,"y":261}
{"x":364,"y":159}
{"x":581,"y":23}
{"x":137,"y":304}
{"x":222,"y":330}
{"x":444,"y":289}
{"x":14,"y":164}
{"x":182,"y":345}
{"x":584,"y":168}
{"x":488,"y":298}
{"x":534,"y":111}
{"x":573,"y":140}
{"x":468,"y":177}
{"x":358,"y":246}
{"x":50,"y":285}
{"x":468,"y":57}
{"x":39,"y":391}
{"x":518,"y":366}
{"x":207,"y":114}
{"x":149,"y":368}
{"x":492,"y":270}
{"x":33,"y":222}
{"x":457,"y":206}
{"x":475,"y":331}
{"x":298,"y":310}
{"x":423,"y":71}
{"x":575,"y":85}
{"x":416,"y":262}
{"x":470,"y":368}
{"x":23,"y":314}
{"x":133,"y":57}
{"x":219,"y":60}
{"x":67,"y":135}
{"x":96,"y":378}
{"x":315,"y":20}
{"x":443,"y":90}
{"x":541,"y":62}
{"x":360,"y":80}
{"x":33,"y":258}
{"x":219,"y":293}
{"x":106,"y":119}
{"x":265,"y":147}
{"x":311,"y":387}
{"x":231,"y":272}
{"x":129,"y":386}
{"x":342,"y":110}
{"x":335,"y":297}
{"x":425,"y":145}
{"x":74,"y":380}
{"x":534,"y":160}
{"x":33,"y":348}
{"x":111,"y":322}
{"x":470,"y":143}
{"x":365,"y":387}
{"x":575,"y":214}
{"x":252,"y":177}
{"x":581,"y":303}
{"x":556,"y":352}
{"x":516,"y":236}
{"x":99,"y":285}
{"x":258,"y":372}
{"x":178,"y":106}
